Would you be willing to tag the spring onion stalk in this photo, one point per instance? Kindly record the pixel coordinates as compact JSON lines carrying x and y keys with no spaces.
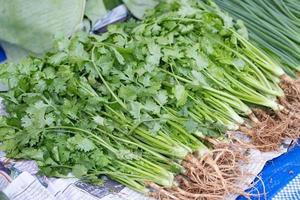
{"x":273,"y":26}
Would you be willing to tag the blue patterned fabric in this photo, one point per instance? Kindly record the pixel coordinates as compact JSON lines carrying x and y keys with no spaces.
{"x":291,"y":191}
{"x":279,"y":179}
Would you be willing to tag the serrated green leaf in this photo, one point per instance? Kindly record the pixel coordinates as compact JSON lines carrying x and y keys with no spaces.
{"x":99,"y":120}
{"x":26,"y":121}
{"x":86,"y":145}
{"x":180,"y":94}
{"x":162,"y":97}
{"x":152,"y":106}
{"x":191,"y":126}
{"x":57,"y":58}
{"x":135,"y":109}
{"x":119,"y":57}
{"x":79,"y":171}
{"x":128,"y":93}
{"x":36,"y":154}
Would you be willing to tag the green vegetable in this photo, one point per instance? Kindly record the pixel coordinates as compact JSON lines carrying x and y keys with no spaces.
{"x":66,"y":115}
{"x":136,"y":102}
{"x":273,"y":26}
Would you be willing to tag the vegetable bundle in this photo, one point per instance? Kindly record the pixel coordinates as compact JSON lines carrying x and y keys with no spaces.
{"x":222,"y":71}
{"x":70,"y":117}
{"x":273,"y":25}
{"x":146,"y":102}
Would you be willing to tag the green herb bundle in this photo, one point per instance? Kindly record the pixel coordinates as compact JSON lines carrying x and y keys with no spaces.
{"x":273,"y":25}
{"x":85,"y":109}
{"x":223,"y":75}
{"x":144,"y":103}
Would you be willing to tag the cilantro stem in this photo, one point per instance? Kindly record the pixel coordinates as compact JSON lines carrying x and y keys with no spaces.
{"x":101,"y":141}
{"x":104,"y":82}
{"x":166,"y":180}
{"x":141,"y":145}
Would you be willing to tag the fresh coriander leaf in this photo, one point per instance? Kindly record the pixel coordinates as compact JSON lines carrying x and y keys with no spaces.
{"x":135,"y":109}
{"x":201,"y":61}
{"x":57,"y":58}
{"x":180,"y":94}
{"x":86,"y":145}
{"x":191,"y":126}
{"x":152,"y":106}
{"x":99,"y":120}
{"x":128,"y":93}
{"x":79,"y":171}
{"x":36,"y":154}
{"x":119,"y":57}
{"x":26,"y":121}
{"x":162,"y":97}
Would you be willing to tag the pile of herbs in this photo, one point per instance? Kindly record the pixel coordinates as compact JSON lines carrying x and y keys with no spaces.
{"x":227,"y":78}
{"x":136,"y":102}
{"x":87,"y":108}
{"x":273,"y":25}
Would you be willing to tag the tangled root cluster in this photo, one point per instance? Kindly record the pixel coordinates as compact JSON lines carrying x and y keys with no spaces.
{"x":291,"y":89}
{"x":291,"y":101}
{"x":210,"y":177}
{"x":270,"y":128}
{"x":269,"y":133}
{"x":217,"y":174}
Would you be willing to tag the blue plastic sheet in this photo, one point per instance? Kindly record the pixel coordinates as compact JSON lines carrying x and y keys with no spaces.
{"x":2,"y":55}
{"x":275,"y":176}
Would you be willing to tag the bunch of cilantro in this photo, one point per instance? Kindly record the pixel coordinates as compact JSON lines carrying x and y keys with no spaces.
{"x":89,"y":108}
{"x":212,"y":69}
{"x":135,"y":101}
